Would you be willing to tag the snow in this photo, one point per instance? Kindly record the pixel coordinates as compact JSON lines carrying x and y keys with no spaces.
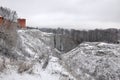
{"x":34,"y":50}
{"x":88,"y":61}
{"x":54,"y":71}
{"x":13,"y":75}
{"x":94,"y":61}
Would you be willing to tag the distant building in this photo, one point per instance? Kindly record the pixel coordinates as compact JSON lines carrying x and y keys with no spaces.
{"x":1,"y":20}
{"x":21,"y":22}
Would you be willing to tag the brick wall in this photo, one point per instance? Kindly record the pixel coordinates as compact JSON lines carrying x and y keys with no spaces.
{"x":1,"y":20}
{"x":22,"y":23}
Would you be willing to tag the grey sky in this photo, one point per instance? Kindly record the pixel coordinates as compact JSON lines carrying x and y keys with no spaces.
{"x":67,"y":13}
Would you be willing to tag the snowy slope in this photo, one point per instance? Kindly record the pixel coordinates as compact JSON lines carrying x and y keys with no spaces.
{"x":33,"y":43}
{"x":94,"y":61}
{"x":37,"y":62}
{"x":54,"y":71}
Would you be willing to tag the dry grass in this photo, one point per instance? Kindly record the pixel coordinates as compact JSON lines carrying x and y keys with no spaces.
{"x":25,"y":66}
{"x":2,"y":65}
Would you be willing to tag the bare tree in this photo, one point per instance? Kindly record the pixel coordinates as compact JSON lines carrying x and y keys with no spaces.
{"x":8,"y":29}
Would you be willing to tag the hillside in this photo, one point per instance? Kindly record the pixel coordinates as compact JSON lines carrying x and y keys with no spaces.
{"x":94,"y":61}
{"x":34,"y":59}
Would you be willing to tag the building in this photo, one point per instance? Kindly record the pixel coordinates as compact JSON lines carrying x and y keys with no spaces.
{"x":21,"y":23}
{"x":1,"y":20}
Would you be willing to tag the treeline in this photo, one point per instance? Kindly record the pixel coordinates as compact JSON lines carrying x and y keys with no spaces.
{"x":79,"y":36}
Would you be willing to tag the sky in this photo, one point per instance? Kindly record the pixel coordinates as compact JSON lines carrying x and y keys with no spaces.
{"x":79,"y":14}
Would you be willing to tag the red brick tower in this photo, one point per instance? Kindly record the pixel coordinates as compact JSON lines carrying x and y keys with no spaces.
{"x":1,"y":20}
{"x":22,"y":23}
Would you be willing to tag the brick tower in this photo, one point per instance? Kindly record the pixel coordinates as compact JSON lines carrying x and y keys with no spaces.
{"x":22,"y":23}
{"x":1,"y":20}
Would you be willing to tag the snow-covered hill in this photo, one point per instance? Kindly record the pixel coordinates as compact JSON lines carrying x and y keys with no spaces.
{"x":94,"y":61}
{"x":35,"y":60}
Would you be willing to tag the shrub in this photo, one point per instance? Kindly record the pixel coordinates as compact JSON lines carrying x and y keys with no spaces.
{"x":2,"y":65}
{"x":24,"y":66}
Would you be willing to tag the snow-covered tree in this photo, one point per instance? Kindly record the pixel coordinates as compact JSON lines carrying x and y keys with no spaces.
{"x":8,"y":33}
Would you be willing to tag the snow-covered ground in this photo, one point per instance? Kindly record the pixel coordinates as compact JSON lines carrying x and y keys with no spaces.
{"x":53,"y":71}
{"x":37,"y":62}
{"x":94,"y":61}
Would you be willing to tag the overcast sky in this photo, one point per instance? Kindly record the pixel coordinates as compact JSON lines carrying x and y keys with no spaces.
{"x":67,"y":13}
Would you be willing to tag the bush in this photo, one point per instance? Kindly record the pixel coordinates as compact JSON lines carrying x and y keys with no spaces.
{"x":24,"y":66}
{"x":2,"y":65}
